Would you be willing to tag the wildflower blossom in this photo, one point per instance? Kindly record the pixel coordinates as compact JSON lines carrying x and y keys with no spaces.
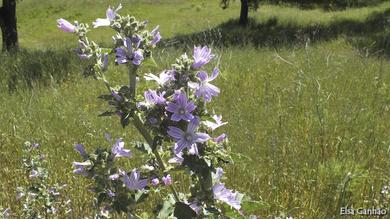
{"x":114,"y":176}
{"x":156,"y":36}
{"x":66,"y":25}
{"x":134,"y":182}
{"x":167,"y":180}
{"x":126,"y":54}
{"x":204,"y":88}
{"x":80,"y":167}
{"x":214,"y":125}
{"x":118,"y":149}
{"x":110,"y":16}
{"x":178,"y":158}
{"x":162,"y":79}
{"x":81,"y":150}
{"x":220,"y":138}
{"x":225,"y":195}
{"x":152,"y":97}
{"x":33,"y":174}
{"x":181,"y":108}
{"x":155,"y":181}
{"x":202,"y":56}
{"x":110,"y":193}
{"x":188,"y":138}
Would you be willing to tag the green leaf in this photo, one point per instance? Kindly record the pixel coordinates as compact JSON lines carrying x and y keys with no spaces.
{"x":167,"y":209}
{"x":125,"y":119}
{"x":141,"y":195}
{"x":143,"y":147}
{"x":183,"y":211}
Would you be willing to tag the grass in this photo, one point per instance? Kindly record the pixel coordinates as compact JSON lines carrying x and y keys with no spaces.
{"x":312,"y":119}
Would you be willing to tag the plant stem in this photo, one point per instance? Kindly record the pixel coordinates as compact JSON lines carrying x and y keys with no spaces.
{"x":141,"y":127}
{"x":132,"y":81}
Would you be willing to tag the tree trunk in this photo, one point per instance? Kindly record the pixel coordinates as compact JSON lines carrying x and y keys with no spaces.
{"x":8,"y":26}
{"x":244,"y":12}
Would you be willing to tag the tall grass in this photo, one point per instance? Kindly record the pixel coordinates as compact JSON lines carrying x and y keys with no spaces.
{"x":309,"y":124}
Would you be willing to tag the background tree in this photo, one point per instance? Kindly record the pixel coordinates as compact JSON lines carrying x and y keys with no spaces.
{"x":245,"y":6}
{"x":8,"y":26}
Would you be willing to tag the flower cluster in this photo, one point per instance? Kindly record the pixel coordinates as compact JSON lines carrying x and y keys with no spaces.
{"x":172,"y":115}
{"x":40,"y":199}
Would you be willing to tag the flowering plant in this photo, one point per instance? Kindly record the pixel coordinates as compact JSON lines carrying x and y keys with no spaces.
{"x":39,"y":198}
{"x":172,"y":117}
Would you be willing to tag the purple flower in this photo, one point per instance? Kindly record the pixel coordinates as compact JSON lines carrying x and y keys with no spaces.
{"x":110,"y":193}
{"x":110,"y":16}
{"x":134,"y":182}
{"x":225,"y":195}
{"x":163,"y":78}
{"x":204,"y":88}
{"x":187,"y":139}
{"x":220,"y":138}
{"x":218,"y":173}
{"x":66,"y":25}
{"x":80,"y":167}
{"x":218,"y":123}
{"x":126,"y":54}
{"x":116,"y":95}
{"x":155,"y":181}
{"x":195,"y":207}
{"x":152,"y":97}
{"x":181,"y":109}
{"x":136,"y":39}
{"x":118,"y":149}
{"x":114,"y":176}
{"x":81,"y":150}
{"x":105,"y":62}
{"x":156,"y":36}
{"x":178,"y":158}
{"x":167,"y":180}
{"x":33,"y":174}
{"x":35,"y":145}
{"x":202,"y":56}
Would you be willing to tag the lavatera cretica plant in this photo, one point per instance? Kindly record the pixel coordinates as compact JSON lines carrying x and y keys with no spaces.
{"x":172,"y":118}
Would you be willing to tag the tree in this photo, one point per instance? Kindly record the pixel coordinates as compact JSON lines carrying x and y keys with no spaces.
{"x":245,"y":6}
{"x":8,"y":26}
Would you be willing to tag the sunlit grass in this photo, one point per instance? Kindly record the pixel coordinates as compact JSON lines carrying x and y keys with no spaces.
{"x":305,"y":117}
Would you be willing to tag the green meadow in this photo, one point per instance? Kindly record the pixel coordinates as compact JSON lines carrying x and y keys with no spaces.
{"x":306,"y":94}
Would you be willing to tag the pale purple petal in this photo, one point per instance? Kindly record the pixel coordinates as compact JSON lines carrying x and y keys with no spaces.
{"x":81,"y":150}
{"x":155,"y":181}
{"x":201,"y":137}
{"x":226,"y":195}
{"x":220,"y":138}
{"x":66,"y":25}
{"x":175,"y":132}
{"x":101,"y":22}
{"x":167,"y":180}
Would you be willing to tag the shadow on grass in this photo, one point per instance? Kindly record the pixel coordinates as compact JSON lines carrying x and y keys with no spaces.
{"x":372,"y":32}
{"x":28,"y":69}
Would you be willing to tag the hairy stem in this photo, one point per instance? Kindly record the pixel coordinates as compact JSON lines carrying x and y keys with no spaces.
{"x":141,"y":127}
